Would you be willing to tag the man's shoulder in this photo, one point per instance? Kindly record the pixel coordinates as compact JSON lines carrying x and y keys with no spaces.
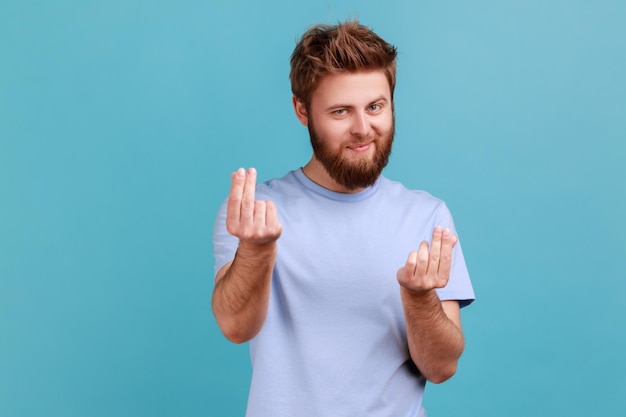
{"x":397,"y":190}
{"x":276,"y":187}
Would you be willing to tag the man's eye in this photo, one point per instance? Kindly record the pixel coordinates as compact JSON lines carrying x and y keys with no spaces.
{"x":340,"y":112}
{"x":374,"y":107}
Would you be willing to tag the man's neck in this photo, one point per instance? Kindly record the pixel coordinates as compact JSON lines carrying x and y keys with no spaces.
{"x":316,"y":172}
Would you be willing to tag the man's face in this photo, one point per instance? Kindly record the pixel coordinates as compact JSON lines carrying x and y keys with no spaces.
{"x":351,"y":125}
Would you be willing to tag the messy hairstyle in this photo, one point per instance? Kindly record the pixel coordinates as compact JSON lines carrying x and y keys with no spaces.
{"x":341,"y":48}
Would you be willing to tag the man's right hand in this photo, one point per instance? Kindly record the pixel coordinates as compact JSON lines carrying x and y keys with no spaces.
{"x":252,"y":221}
{"x":242,"y":286}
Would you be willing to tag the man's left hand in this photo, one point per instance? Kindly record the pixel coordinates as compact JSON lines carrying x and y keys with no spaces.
{"x":427,"y":269}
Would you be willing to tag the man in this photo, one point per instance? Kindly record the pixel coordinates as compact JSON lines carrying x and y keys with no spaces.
{"x":347,"y":313}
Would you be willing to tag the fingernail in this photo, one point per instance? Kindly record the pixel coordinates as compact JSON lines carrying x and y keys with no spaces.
{"x":446,"y":233}
{"x":251,"y":171}
{"x":240,"y":173}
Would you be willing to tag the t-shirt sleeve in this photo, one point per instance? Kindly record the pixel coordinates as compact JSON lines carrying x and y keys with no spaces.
{"x":459,"y":286}
{"x":224,"y":244}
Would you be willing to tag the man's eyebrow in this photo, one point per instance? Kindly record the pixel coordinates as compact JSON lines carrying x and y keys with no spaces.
{"x":349,"y":106}
{"x":381,"y":98}
{"x":339,"y":106}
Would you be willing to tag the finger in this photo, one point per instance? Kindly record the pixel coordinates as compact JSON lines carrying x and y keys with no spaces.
{"x":271,"y":217}
{"x":247,"y":202}
{"x":435,"y":252}
{"x":411,"y":263}
{"x":259,"y":213}
{"x":233,"y":209}
{"x":445,"y":264}
{"x":406,"y":273}
{"x":422,"y":261}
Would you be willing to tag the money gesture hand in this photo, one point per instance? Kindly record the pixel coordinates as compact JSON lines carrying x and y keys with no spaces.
{"x":427,"y":269}
{"x":252,"y":221}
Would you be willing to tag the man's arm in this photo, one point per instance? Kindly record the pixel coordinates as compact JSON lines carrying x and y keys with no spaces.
{"x":434,"y":331}
{"x":242,"y":287}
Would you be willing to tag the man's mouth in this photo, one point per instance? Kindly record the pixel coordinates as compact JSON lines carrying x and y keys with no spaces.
{"x":361,"y":147}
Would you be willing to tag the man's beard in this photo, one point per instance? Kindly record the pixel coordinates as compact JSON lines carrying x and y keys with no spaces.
{"x":358,"y":173}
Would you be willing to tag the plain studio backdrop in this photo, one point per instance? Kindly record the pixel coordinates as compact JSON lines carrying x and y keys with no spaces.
{"x":121,"y":121}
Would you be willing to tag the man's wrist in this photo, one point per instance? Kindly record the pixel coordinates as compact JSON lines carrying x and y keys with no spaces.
{"x":254,"y":250}
{"x":422,"y":300}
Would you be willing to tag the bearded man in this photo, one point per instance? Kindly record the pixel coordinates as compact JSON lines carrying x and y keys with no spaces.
{"x":347,"y":313}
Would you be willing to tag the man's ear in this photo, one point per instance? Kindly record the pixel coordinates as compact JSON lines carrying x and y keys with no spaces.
{"x":300,"y":109}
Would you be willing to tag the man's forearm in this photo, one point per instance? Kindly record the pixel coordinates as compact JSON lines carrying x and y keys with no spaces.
{"x":241,"y":294}
{"x":435,"y":341}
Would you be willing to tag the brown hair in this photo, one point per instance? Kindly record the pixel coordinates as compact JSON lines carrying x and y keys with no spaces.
{"x":345,"y":47}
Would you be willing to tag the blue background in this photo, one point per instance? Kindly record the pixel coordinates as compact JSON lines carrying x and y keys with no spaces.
{"x":120,"y":122}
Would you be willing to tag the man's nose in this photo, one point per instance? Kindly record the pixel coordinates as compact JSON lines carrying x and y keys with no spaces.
{"x":360,"y":124}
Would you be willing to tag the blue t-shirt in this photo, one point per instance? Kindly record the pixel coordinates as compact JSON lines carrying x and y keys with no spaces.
{"x":334,"y":339}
